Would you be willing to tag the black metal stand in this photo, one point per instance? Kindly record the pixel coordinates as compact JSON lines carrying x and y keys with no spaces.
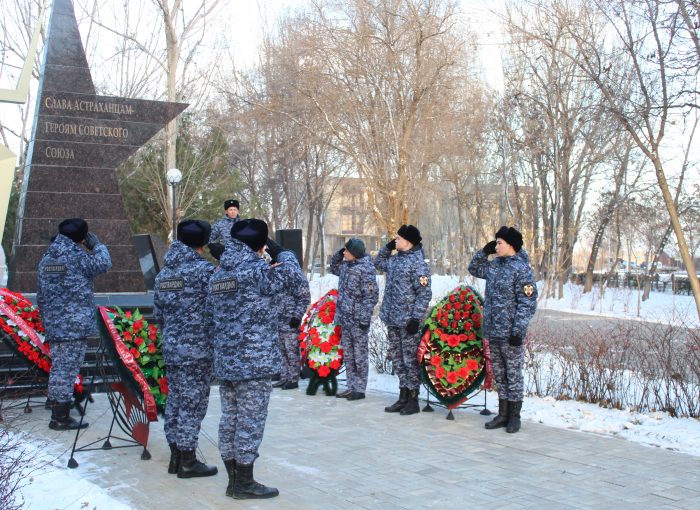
{"x":127,"y":413}
{"x":464,"y":405}
{"x":22,"y":389}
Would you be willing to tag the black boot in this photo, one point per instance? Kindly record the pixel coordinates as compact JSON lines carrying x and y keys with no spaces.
{"x":411,"y":406}
{"x":514,"y":416}
{"x":174,"y":465}
{"x":290,"y":385}
{"x":190,"y":467}
{"x":501,"y":419}
{"x":279,"y":383}
{"x":245,"y":486}
{"x":61,"y":419}
{"x":231,"y":470}
{"x":343,"y":394}
{"x":398,"y":405}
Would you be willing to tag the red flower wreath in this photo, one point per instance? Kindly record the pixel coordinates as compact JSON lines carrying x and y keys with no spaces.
{"x":320,"y":337}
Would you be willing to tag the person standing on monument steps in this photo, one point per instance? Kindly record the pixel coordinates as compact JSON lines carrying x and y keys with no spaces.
{"x":65,"y":298}
{"x":221,"y":231}
{"x":179,"y":306}
{"x":406,"y":297}
{"x":509,"y":304}
{"x":357,"y":295}
{"x":241,"y":303}
{"x":293,"y":302}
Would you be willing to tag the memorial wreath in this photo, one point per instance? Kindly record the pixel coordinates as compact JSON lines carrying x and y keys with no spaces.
{"x":319,"y":340}
{"x":451,"y":351}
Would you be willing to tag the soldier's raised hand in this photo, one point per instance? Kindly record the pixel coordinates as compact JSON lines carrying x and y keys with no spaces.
{"x":490,"y":248}
{"x":391,"y":245}
{"x":90,"y":241}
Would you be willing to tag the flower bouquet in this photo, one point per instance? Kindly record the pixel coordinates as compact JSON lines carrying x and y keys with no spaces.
{"x":319,"y":340}
{"x":23,"y":332}
{"x":137,"y":347}
{"x":451,"y":350}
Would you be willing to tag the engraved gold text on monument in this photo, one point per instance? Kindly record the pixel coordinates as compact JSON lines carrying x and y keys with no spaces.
{"x":83,"y":105}
{"x":65,"y":128}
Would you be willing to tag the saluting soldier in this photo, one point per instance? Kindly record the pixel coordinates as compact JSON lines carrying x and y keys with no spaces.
{"x":179,"y":305}
{"x":65,"y":298}
{"x":241,"y":304}
{"x":293,"y":302}
{"x":407,"y":294}
{"x":357,"y":296}
{"x":509,"y":304}
{"x":221,"y":231}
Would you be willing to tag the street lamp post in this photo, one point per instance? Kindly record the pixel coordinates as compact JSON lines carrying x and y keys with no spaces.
{"x":174,"y":176}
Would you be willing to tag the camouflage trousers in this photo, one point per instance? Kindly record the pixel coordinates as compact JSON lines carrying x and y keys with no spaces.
{"x":66,"y":358}
{"x":403,"y":349}
{"x":289,"y":347}
{"x":188,"y":399}
{"x":243,"y":416}
{"x":354,"y":342}
{"x":507,"y":362}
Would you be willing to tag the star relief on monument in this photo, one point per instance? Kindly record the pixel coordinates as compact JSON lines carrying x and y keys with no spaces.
{"x":79,"y":139}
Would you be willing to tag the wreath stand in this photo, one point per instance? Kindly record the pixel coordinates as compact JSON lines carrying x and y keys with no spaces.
{"x":35,"y":383}
{"x":127,"y":409}
{"x":464,"y":405}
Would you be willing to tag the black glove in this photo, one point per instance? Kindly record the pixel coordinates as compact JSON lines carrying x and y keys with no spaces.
{"x":273,"y":249}
{"x":515,"y":340}
{"x":412,"y":326}
{"x":391,"y":245}
{"x":294,"y":322}
{"x":364,"y":327}
{"x":90,"y":241}
{"x":490,"y":248}
{"x":216,"y":250}
{"x":341,"y":252}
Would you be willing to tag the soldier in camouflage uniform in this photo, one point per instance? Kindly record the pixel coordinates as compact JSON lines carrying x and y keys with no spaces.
{"x":406,"y":297}
{"x":240,"y":302}
{"x":221,"y":231}
{"x":510,"y":303}
{"x":179,"y":306}
{"x":357,"y":295}
{"x":293,"y":302}
{"x":65,"y":298}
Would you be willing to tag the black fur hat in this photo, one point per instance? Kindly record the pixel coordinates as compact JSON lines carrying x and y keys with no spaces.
{"x":231,"y":203}
{"x":74,"y":228}
{"x":511,"y":236}
{"x":251,"y":231}
{"x":410,"y":234}
{"x":194,"y":233}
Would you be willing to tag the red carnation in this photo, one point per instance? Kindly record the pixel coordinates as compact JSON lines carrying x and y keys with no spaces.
{"x":436,"y":360}
{"x":462,"y":372}
{"x":440,"y":372}
{"x":127,"y":314}
{"x":472,"y":365}
{"x":324,"y":371}
{"x":444,"y":323}
{"x":326,"y":347}
{"x":451,"y":377}
{"x":453,"y":340}
{"x":335,"y":364}
{"x":163,"y":383}
{"x":302,"y":345}
{"x":448,"y":307}
{"x":315,"y":341}
{"x":467,"y":325}
{"x":455,"y":325}
{"x":453,"y":298}
{"x":151,"y":348}
{"x":135,"y":353}
{"x":457,"y":316}
{"x":138,"y":341}
{"x":127,"y":336}
{"x":311,"y":363}
{"x":458,"y":306}
{"x":138,"y":325}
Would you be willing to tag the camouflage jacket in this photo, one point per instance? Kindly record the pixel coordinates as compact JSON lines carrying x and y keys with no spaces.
{"x":511,"y":294}
{"x":407,"y":290}
{"x":179,"y":304}
{"x":240,"y":304}
{"x":221,"y":229}
{"x":357,"y":289}
{"x":296,"y":295}
{"x":65,"y":288}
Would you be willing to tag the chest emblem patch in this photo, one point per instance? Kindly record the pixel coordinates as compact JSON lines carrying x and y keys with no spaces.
{"x":528,"y":290}
{"x":423,"y":280}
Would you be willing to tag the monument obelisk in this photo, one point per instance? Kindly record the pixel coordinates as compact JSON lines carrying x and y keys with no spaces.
{"x":78,"y":140}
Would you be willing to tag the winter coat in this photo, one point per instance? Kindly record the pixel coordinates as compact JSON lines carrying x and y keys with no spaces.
{"x":221,"y":230}
{"x":241,"y":305}
{"x":296,"y":295}
{"x":511,"y":294}
{"x":65,"y":288}
{"x":179,"y":304}
{"x":407,"y":291}
{"x":357,"y":289}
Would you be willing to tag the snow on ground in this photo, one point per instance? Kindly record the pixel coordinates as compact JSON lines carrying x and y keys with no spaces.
{"x":68,"y":491}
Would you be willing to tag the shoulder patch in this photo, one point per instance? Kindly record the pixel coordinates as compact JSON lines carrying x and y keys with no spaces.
{"x":171,"y":284}
{"x":224,"y":286}
{"x":55,"y":268}
{"x":423,"y":280}
{"x":528,"y":289}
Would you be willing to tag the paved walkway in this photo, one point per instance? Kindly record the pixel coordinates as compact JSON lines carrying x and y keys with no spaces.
{"x":327,"y":453}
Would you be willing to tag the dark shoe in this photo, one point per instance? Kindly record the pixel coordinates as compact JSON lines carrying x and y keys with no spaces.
{"x":501,"y":419}
{"x":278,"y":384}
{"x":61,"y":419}
{"x":343,"y":394}
{"x":411,"y":406}
{"x":356,"y":395}
{"x":174,"y":465}
{"x":289,"y":385}
{"x":245,"y":486}
{"x":190,"y":467}
{"x":231,"y":471}
{"x":514,"y":416}
{"x":398,"y":405}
